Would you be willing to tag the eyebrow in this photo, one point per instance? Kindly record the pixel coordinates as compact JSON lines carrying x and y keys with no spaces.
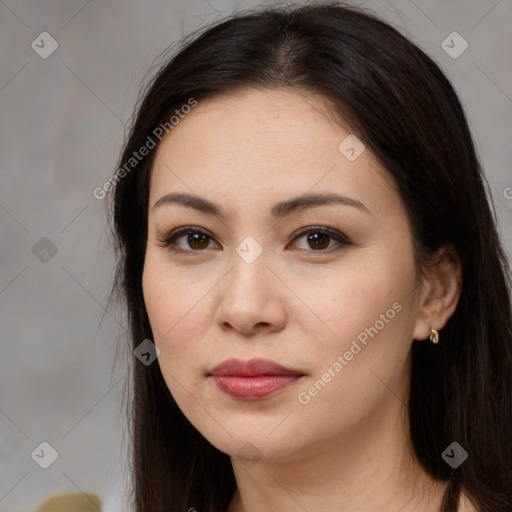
{"x":279,"y":210}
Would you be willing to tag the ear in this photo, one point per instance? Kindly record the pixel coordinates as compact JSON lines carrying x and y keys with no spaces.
{"x":440,"y":292}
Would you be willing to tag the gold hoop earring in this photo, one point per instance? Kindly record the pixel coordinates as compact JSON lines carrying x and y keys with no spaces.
{"x":434,"y":335}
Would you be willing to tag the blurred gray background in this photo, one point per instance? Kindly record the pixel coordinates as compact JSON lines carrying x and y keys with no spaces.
{"x":62,"y":118}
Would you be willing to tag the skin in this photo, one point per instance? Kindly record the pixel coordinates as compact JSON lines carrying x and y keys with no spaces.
{"x":296,"y":304}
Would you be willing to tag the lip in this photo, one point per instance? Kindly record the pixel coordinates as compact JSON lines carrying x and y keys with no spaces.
{"x":254,"y":379}
{"x":251,"y":368}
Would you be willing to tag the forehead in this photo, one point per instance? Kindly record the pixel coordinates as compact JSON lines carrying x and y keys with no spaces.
{"x":264,"y":144}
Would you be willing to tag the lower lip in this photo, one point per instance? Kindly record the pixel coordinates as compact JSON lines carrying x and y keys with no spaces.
{"x":254,"y":388}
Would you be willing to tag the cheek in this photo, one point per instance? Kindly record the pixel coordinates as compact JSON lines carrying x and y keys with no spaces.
{"x":171,"y":295}
{"x":371,"y":311}
{"x":354,"y":296}
{"x":176,"y":304}
{"x":158,"y":297}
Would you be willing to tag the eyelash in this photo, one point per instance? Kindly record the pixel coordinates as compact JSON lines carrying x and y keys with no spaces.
{"x":168,"y":240}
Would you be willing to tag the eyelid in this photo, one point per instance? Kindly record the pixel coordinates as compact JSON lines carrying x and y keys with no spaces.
{"x":167,"y":239}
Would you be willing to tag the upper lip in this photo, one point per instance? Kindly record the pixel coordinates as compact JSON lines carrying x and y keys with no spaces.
{"x":251,"y":368}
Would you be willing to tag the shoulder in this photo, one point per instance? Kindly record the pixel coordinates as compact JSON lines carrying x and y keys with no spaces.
{"x":75,"y":501}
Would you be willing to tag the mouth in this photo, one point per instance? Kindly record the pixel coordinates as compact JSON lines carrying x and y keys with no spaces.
{"x":254,"y":379}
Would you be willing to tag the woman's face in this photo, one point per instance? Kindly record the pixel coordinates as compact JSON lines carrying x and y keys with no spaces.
{"x":340,"y":310}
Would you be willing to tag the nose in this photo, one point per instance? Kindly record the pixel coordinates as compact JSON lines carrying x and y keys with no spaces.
{"x":252,"y":299}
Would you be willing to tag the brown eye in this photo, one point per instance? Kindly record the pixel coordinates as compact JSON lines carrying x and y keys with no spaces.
{"x":319,"y":238}
{"x":197,"y":240}
{"x":194,"y":241}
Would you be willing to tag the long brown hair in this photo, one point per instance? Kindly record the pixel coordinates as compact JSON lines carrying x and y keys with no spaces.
{"x":400,"y":104}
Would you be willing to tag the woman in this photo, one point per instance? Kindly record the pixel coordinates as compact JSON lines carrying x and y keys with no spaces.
{"x":304,"y":234}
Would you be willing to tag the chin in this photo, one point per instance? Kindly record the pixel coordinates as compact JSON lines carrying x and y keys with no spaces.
{"x":254,"y":441}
